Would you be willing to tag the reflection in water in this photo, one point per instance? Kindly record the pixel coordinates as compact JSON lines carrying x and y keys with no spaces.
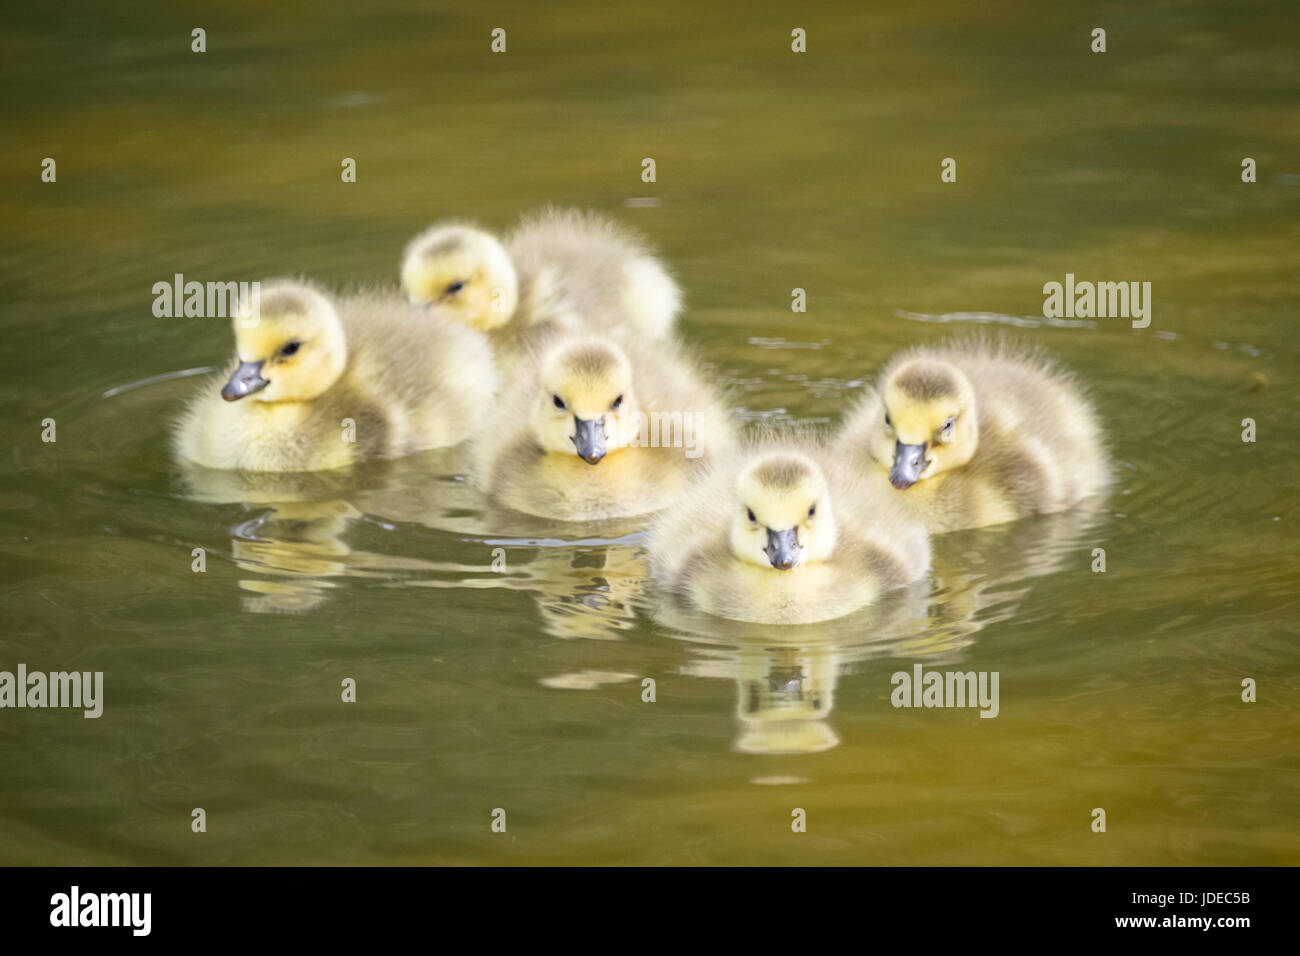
{"x":299,"y":546}
{"x":586,"y":680}
{"x":588,"y":592}
{"x":296,"y":542}
{"x":784,"y":700}
{"x":584,"y":589}
{"x":786,"y":676}
{"x":981,"y":577}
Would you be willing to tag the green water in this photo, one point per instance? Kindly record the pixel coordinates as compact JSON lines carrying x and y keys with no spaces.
{"x":521,"y":688}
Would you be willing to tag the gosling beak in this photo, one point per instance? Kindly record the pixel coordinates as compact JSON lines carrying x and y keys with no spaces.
{"x":782,"y":549}
{"x":909,"y":462}
{"x":244,"y":380}
{"x":589,"y":439}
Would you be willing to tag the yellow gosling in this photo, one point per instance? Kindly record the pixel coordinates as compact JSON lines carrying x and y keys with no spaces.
{"x":595,"y":428}
{"x":772,"y":536}
{"x":562,"y":270}
{"x":318,"y":385}
{"x":972,"y":433}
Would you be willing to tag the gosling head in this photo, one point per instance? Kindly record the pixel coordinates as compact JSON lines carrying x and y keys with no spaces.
{"x":290,"y":345}
{"x":927,"y":421}
{"x":465,"y":272}
{"x":586,"y":403}
{"x":783,"y":513}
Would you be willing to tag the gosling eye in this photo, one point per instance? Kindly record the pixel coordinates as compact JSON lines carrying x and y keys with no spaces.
{"x":812,"y":511}
{"x":888,"y":423}
{"x":559,"y":402}
{"x":949,"y":426}
{"x":454,"y":287}
{"x":291,"y":349}
{"x":750,"y":513}
{"x":617,"y":402}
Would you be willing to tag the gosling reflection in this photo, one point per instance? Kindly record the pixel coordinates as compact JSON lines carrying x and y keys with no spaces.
{"x":784,"y":701}
{"x":299,"y":547}
{"x":999,"y":567}
{"x":590,"y":592}
{"x":298,"y":544}
{"x":786,"y":677}
{"x":587,"y":585}
{"x":584,"y":590}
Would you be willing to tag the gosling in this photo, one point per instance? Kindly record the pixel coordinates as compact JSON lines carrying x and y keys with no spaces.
{"x":596,"y":428}
{"x":316,"y":386}
{"x":971,"y":433}
{"x":559,"y":270}
{"x":771,"y":536}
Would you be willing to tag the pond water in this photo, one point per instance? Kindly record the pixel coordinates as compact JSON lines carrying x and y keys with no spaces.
{"x":499,"y":661}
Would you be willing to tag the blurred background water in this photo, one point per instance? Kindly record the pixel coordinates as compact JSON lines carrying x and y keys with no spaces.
{"x":521,"y":688}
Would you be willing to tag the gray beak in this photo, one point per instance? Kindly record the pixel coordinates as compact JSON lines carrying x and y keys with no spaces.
{"x":782,"y":549}
{"x":244,"y":380}
{"x":909,"y":462}
{"x":589,"y":439}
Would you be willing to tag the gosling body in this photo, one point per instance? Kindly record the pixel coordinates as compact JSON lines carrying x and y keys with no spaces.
{"x":975,"y":433}
{"x":598,"y":427}
{"x":559,"y":271}
{"x":319,"y":384}
{"x":778,"y":534}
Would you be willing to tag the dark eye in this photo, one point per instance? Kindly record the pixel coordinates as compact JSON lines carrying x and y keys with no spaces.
{"x":291,"y":349}
{"x":750,"y":512}
{"x":617,"y":402}
{"x":812,"y":511}
{"x":559,"y":402}
{"x":888,"y":423}
{"x":454,"y":287}
{"x":948,"y":426}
